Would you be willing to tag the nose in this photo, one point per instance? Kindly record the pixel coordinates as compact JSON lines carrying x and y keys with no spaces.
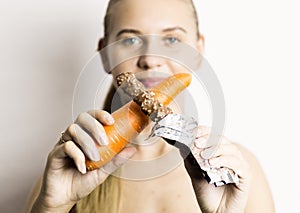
{"x":146,"y":62}
{"x":149,"y":59}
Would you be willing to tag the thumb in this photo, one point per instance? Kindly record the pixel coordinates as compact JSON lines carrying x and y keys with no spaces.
{"x":124,"y":156}
{"x":119,"y":159}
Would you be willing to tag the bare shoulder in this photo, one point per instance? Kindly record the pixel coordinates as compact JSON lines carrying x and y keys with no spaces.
{"x":249,"y":156}
{"x":260,"y":196}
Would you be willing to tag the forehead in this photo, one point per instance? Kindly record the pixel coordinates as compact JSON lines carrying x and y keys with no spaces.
{"x":149,"y":16}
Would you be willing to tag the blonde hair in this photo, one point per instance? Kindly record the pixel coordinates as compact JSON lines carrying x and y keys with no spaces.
{"x":107,"y":196}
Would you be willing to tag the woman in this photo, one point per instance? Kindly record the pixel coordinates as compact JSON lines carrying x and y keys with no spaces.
{"x":64,"y":186}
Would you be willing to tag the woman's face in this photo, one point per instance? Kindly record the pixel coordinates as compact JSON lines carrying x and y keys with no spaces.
{"x":145,"y":25}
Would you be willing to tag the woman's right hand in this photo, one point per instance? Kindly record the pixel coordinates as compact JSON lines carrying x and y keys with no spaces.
{"x":65,"y":180}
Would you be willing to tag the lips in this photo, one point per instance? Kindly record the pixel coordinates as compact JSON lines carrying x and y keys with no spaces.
{"x":151,"y":82}
{"x":152,"y":77}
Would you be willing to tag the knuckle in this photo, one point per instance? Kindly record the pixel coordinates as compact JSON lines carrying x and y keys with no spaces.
{"x":86,"y":143}
{"x":93,"y":112}
{"x":93,"y":121}
{"x":50,"y":155}
{"x":203,"y":130}
{"x":98,"y":127}
{"x":67,"y":146}
{"x":103,"y":113}
{"x":82,"y":116}
{"x":72,"y":129}
{"x":89,"y":143}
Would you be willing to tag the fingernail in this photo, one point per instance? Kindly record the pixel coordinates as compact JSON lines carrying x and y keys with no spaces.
{"x":200,"y":142}
{"x":103,"y":139}
{"x":207,"y":153}
{"x":95,"y":156}
{"x":109,"y":119}
{"x":132,"y":149}
{"x":82,"y":168}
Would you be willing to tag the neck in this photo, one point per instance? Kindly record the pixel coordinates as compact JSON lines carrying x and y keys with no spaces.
{"x":156,"y":148}
{"x":149,"y":148}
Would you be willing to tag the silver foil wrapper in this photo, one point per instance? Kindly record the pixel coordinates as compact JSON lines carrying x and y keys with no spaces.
{"x":183,"y":129}
{"x":176,"y":127}
{"x":218,"y":176}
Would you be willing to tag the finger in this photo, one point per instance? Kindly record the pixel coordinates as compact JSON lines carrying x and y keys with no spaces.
{"x":71,"y":150}
{"x":203,"y":130}
{"x":231,"y":162}
{"x":200,"y":142}
{"x":114,"y":164}
{"x":212,"y":138}
{"x":84,"y":140}
{"x":102,"y":116}
{"x":222,"y":149}
{"x":124,"y":155}
{"x":198,"y":146}
{"x":93,"y":127}
{"x":119,"y":159}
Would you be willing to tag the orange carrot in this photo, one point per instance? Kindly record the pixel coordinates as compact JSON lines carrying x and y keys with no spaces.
{"x":130,"y":120}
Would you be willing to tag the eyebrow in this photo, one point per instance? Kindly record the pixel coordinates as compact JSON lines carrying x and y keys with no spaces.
{"x":174,"y":29}
{"x":132,"y":31}
{"x":137,"y":32}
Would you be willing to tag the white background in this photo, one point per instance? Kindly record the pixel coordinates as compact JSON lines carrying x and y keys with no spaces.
{"x":253,"y":47}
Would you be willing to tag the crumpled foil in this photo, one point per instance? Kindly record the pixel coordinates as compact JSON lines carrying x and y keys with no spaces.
{"x":218,"y":176}
{"x":176,"y":127}
{"x":183,"y":129}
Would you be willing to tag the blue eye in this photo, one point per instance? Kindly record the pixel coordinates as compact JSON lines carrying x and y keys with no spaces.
{"x":131,"y":41}
{"x":172,"y":40}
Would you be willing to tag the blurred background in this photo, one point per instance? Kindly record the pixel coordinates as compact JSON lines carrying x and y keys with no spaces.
{"x":253,"y":47}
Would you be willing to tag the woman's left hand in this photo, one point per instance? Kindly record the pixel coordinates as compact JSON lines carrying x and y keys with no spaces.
{"x":228,"y":198}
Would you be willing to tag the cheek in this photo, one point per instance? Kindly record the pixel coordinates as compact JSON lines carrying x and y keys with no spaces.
{"x":126,"y":66}
{"x":176,"y":67}
{"x":131,"y":65}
